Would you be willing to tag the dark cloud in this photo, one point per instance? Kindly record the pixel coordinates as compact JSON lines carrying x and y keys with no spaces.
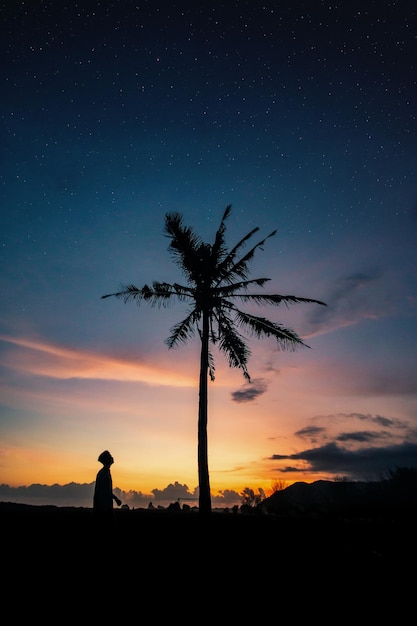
{"x":378,"y":420}
{"x":250,"y":391}
{"x":363,"y":464}
{"x":389,"y":422}
{"x":343,"y":448}
{"x":321,"y":434}
{"x":363,"y":436}
{"x":311,"y":432}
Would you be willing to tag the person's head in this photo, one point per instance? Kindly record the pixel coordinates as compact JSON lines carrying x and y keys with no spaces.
{"x":106,"y":458}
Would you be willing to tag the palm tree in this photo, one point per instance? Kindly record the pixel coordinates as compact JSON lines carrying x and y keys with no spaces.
{"x":215,"y":279}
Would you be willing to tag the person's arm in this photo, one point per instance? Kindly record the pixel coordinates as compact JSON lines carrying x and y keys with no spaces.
{"x":116,"y":499}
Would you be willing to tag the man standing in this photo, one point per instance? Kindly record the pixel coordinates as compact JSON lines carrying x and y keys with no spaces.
{"x":103,"y":493}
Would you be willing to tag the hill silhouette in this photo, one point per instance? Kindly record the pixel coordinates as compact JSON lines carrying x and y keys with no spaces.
{"x":389,"y":499}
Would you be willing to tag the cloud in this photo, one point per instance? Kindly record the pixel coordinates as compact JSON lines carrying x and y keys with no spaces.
{"x":226,"y":498}
{"x":350,"y":300}
{"x":72,"y":494}
{"x":53,"y":361}
{"x":357,"y":464}
{"x":393,"y":424}
{"x":175,"y":492}
{"x":81,"y":495}
{"x":311,"y":432}
{"x":250,"y":391}
{"x":361,"y":436}
{"x":343,"y":446}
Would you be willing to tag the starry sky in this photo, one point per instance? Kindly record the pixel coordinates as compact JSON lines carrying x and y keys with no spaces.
{"x":302,"y":116}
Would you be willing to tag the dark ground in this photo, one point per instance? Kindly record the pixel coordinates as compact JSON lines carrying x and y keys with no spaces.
{"x":162,"y":561}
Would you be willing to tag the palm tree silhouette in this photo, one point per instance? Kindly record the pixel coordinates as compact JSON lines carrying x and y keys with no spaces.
{"x":215,"y":278}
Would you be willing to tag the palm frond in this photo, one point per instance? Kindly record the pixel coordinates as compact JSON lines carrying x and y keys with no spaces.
{"x":229,"y":290}
{"x":218,"y":248}
{"x":160,"y":294}
{"x":185,"y":244}
{"x":211,"y":366}
{"x":233,"y":346}
{"x":181,"y":332}
{"x":128,"y":293}
{"x":229,"y":260}
{"x":240,"y":268}
{"x":274,"y":299}
{"x":286,"y":338}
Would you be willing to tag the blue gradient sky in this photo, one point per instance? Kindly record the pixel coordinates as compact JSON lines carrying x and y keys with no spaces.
{"x":303,"y":117}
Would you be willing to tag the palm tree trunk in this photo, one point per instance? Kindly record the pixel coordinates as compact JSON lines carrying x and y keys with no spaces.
{"x":203,"y":471}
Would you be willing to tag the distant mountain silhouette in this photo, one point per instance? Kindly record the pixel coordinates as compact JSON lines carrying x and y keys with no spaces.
{"x":348,"y":499}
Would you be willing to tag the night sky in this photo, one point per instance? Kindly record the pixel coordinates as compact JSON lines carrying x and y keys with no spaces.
{"x":302,"y":116}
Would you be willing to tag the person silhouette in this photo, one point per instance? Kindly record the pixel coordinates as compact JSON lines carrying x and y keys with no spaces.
{"x":103,"y":493}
